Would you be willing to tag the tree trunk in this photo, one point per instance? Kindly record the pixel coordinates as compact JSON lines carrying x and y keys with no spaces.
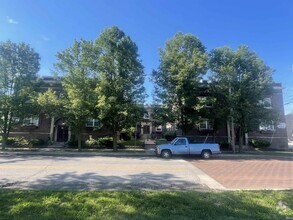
{"x":233,"y":136}
{"x":240,"y":140}
{"x":4,"y":141}
{"x":52,"y":130}
{"x":79,"y":141}
{"x":115,"y":135}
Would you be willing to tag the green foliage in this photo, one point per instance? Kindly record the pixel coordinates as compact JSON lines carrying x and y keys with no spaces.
{"x":240,"y":81}
{"x":50,"y":103}
{"x":170,"y":135}
{"x":77,"y":65}
{"x":91,"y":142}
{"x":232,"y":205}
{"x":19,"y":65}
{"x":74,"y":144}
{"x":183,"y":62}
{"x":121,"y":77}
{"x":130,"y":143}
{"x":107,"y":142}
{"x":126,"y":136}
{"x":37,"y":142}
{"x":260,"y":143}
{"x":24,"y":142}
{"x":162,"y":141}
{"x":18,"y":142}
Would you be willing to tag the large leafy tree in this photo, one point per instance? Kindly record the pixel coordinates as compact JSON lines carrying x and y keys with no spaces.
{"x":51,"y":104}
{"x":243,"y":80}
{"x":120,"y":88}
{"x":19,"y":65}
{"x":183,"y":62}
{"x":77,"y":65}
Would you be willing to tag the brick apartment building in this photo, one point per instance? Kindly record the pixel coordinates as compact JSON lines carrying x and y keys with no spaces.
{"x":56,"y":129}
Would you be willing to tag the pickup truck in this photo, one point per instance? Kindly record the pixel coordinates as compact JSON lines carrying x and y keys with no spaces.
{"x":181,"y":145}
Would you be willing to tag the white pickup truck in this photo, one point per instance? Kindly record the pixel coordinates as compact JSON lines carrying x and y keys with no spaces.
{"x":181,"y":146}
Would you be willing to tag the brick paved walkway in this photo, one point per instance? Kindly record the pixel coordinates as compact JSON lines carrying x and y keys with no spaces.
{"x":248,"y":173}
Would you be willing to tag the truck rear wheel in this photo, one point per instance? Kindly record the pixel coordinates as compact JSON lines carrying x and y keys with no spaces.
{"x":166,"y":154}
{"x":206,"y":154}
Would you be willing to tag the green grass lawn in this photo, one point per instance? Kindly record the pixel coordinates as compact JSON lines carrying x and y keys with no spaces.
{"x":16,"y":204}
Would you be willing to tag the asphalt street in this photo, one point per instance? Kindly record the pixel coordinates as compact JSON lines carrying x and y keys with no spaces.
{"x":100,"y":173}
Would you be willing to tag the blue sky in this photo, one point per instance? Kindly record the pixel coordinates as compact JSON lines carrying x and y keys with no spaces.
{"x":49,"y":26}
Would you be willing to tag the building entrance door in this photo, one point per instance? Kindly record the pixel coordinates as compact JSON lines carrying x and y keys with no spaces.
{"x":62,"y":133}
{"x":146,"y":129}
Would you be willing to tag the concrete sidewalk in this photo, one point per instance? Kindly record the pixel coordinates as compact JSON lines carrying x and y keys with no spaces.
{"x":75,"y":152}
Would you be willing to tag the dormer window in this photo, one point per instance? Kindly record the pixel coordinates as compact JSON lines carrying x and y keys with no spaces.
{"x":146,"y":115}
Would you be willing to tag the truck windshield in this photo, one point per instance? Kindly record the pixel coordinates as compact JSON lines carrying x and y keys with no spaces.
{"x":172,"y":142}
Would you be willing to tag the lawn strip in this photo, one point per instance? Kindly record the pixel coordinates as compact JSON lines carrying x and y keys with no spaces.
{"x":17,"y":204}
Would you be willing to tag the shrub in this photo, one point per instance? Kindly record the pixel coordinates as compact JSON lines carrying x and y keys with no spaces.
{"x":170,"y":135}
{"x":125,"y":136}
{"x":260,"y":143}
{"x":107,"y":142}
{"x":37,"y":142}
{"x":225,"y":146}
{"x":73,"y":143}
{"x":91,"y":142}
{"x":17,"y":142}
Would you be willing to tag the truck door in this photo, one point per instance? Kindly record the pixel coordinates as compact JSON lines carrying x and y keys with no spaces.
{"x":181,"y":146}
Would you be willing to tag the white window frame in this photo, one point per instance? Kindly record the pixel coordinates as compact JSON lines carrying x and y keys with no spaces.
{"x":267,"y":100}
{"x":267,"y":126}
{"x":31,"y":121}
{"x":92,"y":123}
{"x":207,"y":123}
{"x":146,"y":115}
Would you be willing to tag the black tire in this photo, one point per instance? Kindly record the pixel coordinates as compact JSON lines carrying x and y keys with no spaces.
{"x":206,"y":154}
{"x":166,"y":154}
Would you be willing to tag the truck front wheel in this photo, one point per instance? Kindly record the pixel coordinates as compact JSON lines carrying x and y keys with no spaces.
{"x":206,"y":154}
{"x":166,"y":154}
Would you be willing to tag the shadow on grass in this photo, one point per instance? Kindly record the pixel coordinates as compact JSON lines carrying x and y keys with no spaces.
{"x":145,"y":205}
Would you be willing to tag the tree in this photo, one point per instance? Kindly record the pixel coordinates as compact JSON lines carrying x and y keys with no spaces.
{"x":183,"y":62}
{"x":120,"y":88}
{"x":77,"y":64}
{"x":243,"y":80}
{"x":19,"y":65}
{"x":51,"y":105}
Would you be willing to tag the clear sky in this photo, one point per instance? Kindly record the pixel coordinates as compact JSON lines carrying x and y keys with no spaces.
{"x":49,"y":26}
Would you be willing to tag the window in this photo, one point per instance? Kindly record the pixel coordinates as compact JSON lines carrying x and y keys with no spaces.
{"x":91,"y":123}
{"x":159,"y":128}
{"x":31,"y":121}
{"x":206,"y":102}
{"x":146,"y":115}
{"x":180,"y":142}
{"x":267,"y":103}
{"x":267,"y":126}
{"x":205,"y":125}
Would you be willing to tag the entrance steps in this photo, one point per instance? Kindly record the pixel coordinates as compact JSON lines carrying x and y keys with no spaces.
{"x":149,"y":144}
{"x":57,"y":145}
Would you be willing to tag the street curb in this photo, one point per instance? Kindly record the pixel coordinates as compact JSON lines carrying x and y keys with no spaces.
{"x":79,"y":154}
